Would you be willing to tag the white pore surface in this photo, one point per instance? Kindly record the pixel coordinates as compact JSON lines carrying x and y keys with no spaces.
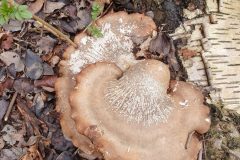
{"x":139,"y":98}
{"x":115,"y":46}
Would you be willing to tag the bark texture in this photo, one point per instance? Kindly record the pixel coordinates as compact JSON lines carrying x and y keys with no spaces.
{"x":216,"y":37}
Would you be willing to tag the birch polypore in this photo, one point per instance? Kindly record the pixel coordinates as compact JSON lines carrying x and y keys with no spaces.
{"x":116,"y":45}
{"x":129,"y":115}
{"x":112,"y":104}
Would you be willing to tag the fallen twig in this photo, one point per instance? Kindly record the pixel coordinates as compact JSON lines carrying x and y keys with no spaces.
{"x":10,"y":106}
{"x":53,"y":30}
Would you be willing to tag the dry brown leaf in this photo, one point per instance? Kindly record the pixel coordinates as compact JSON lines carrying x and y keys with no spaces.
{"x":13,"y":25}
{"x":32,"y":154}
{"x":103,"y":1}
{"x":2,"y":143}
{"x":6,"y":41}
{"x":6,"y":85}
{"x":11,"y":135}
{"x":160,"y":45}
{"x":49,"y":6}
{"x":34,"y":66}
{"x":12,"y":153}
{"x":46,"y":44}
{"x":36,"y":6}
{"x":23,"y":86}
{"x":71,"y":11}
{"x":12,"y":58}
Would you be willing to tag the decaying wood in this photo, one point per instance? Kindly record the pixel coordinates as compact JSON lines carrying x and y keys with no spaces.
{"x":216,"y":37}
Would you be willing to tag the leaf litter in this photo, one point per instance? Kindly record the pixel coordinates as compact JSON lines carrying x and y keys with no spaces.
{"x":34,"y":71}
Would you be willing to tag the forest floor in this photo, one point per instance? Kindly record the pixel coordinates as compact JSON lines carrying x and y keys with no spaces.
{"x":29,"y":123}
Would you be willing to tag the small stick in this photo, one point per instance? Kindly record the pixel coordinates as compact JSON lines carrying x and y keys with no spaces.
{"x":53,"y":30}
{"x":10,"y":106}
{"x":189,"y":138}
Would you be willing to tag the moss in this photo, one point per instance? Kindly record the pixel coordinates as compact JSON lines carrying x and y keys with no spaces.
{"x":224,"y":123}
{"x":233,"y":142}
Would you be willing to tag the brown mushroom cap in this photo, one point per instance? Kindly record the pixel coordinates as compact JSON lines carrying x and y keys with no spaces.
{"x":117,"y":28}
{"x":129,"y":115}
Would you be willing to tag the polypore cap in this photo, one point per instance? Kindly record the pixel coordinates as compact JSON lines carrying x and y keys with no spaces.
{"x":129,"y":115}
{"x":116,"y":45}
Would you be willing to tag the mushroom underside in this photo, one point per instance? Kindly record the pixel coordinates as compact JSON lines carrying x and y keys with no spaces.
{"x":130,"y":133}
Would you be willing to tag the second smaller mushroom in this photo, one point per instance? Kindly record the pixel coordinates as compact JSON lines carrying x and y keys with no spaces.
{"x":129,"y":115}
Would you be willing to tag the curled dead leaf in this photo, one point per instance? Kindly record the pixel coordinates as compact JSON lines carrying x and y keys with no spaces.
{"x":11,"y":135}
{"x":32,"y":154}
{"x":6,"y":41}
{"x":50,"y":7}
{"x":160,"y":45}
{"x":23,"y":86}
{"x":46,"y":44}
{"x":163,"y":47}
{"x":36,"y":6}
{"x":34,"y":67}
{"x":7,"y":84}
{"x":10,"y":57}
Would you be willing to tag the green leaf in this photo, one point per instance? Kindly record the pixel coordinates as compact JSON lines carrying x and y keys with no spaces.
{"x":96,"y":10}
{"x":2,"y":20}
{"x":6,"y":9}
{"x":23,"y":12}
{"x":18,"y":12}
{"x":4,"y":4}
{"x":22,"y":7}
{"x":26,"y":14}
{"x":18,"y":16}
{"x":94,"y":31}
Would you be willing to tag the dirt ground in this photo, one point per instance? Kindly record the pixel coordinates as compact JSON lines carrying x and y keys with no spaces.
{"x":29,"y":68}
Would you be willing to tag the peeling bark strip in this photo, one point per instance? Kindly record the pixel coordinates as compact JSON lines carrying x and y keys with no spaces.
{"x":217,"y":38}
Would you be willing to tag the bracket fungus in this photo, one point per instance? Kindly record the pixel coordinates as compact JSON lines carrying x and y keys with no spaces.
{"x":126,"y":109}
{"x":118,"y":29}
{"x":129,"y":115}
